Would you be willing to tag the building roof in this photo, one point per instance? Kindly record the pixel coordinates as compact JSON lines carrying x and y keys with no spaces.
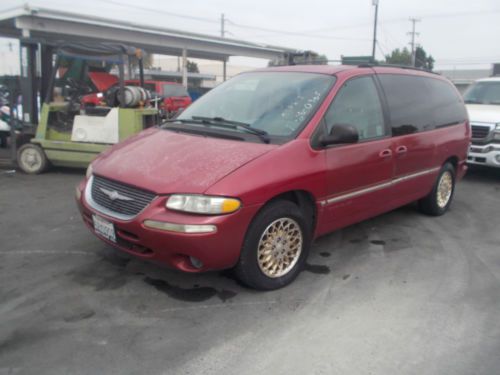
{"x":465,"y":76}
{"x":52,"y":26}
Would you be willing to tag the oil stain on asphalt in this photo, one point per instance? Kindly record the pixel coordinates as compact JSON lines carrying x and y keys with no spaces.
{"x":197,"y":294}
{"x":317,"y":269}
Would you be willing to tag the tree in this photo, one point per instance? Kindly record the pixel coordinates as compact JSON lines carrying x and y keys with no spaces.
{"x":403,"y":57}
{"x":192,"y":67}
{"x":422,"y":60}
{"x":399,"y":57}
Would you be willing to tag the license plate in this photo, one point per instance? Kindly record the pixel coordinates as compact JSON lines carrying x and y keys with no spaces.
{"x":104,"y":228}
{"x":474,"y":149}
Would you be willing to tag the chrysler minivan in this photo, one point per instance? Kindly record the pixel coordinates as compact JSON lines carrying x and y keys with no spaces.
{"x":251,"y":173}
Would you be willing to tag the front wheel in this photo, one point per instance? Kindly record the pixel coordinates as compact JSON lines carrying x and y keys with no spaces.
{"x":31,"y":159}
{"x":439,"y":199}
{"x":275,"y":247}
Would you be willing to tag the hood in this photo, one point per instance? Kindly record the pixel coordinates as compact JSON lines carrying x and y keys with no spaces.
{"x":166,"y":162}
{"x":484,"y":113}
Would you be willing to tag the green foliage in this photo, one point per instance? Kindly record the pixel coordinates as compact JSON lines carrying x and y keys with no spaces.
{"x":192,"y":67}
{"x":399,"y":57}
{"x":403,"y":57}
{"x":422,"y":60}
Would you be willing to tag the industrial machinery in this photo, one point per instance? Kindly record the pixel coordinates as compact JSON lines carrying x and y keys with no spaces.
{"x":70,"y":134}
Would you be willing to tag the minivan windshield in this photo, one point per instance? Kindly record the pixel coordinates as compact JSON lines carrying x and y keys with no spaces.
{"x":277,"y":104}
{"x":483,"y":93}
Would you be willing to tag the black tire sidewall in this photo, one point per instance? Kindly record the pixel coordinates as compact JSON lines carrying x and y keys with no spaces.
{"x":247,"y":269}
{"x":430,"y":202}
{"x":44,"y":161}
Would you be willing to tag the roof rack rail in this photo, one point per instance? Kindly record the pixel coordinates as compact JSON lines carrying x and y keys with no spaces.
{"x":372,"y":65}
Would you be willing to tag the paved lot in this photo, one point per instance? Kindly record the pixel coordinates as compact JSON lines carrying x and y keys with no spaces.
{"x":399,"y":294}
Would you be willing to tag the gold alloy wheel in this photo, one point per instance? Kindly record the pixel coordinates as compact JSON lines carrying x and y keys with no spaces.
{"x":31,"y":159}
{"x":279,"y":247}
{"x":444,"y":190}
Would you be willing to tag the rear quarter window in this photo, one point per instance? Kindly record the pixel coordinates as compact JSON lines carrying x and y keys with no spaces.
{"x":419,"y":104}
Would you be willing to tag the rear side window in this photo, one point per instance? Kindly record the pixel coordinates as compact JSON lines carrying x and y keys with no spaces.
{"x":419,"y":104}
{"x":446,"y":104}
{"x":357,"y":104}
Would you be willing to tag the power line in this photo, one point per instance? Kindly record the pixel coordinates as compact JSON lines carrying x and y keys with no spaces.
{"x":160,"y":11}
{"x":295,"y":33}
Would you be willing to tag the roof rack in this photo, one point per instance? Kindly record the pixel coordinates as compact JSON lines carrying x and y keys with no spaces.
{"x":372,"y":65}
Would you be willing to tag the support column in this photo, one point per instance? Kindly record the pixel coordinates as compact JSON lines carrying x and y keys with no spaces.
{"x":224,"y":70}
{"x":184,"y":68}
{"x":29,"y":86}
{"x":46,"y":57}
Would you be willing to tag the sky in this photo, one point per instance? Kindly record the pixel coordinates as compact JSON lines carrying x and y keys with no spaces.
{"x":457,"y":33}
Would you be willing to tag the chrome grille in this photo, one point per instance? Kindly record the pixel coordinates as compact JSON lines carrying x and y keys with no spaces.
{"x":136,"y":199}
{"x":480,"y":132}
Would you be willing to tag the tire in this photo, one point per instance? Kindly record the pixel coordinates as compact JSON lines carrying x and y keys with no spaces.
{"x":277,"y":218}
{"x":437,"y":202}
{"x":31,"y":159}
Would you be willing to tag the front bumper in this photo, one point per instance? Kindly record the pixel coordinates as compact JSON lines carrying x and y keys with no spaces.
{"x":487,"y":155}
{"x":216,"y":250}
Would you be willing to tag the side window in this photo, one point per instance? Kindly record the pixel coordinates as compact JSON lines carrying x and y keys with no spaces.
{"x":447,"y":106}
{"x":409,"y":102}
{"x":357,"y":104}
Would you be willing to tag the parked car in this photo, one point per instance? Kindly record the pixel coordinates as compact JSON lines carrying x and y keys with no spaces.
{"x":174,"y":96}
{"x":483,"y":103}
{"x":257,"y":168}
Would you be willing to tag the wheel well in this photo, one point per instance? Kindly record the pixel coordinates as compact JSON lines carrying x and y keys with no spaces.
{"x":453,"y":161}
{"x":304,"y":200}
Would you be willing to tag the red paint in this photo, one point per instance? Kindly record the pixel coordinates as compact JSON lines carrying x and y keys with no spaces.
{"x":103,"y":81}
{"x":167,"y":162}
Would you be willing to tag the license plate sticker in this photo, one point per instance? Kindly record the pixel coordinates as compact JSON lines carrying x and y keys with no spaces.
{"x":104,"y":228}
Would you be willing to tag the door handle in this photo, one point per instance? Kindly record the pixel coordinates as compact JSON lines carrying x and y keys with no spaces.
{"x":401,"y":150}
{"x":385,"y":153}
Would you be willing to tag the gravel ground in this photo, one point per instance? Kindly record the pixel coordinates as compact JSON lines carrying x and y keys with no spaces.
{"x":399,"y":294}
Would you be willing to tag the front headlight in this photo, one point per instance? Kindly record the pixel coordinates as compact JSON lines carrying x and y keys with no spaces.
{"x":89,"y":171}
{"x":202,"y":204}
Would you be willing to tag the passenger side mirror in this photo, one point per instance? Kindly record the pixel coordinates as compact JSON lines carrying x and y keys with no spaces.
{"x":340,"y":134}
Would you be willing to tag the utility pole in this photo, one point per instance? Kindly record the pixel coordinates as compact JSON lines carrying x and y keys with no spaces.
{"x":375,"y":2}
{"x":412,"y":43}
{"x":222,"y":35}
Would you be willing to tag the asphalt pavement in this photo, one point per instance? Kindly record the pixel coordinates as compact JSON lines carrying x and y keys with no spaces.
{"x":399,"y":294}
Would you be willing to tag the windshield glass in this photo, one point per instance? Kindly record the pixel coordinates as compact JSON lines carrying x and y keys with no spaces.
{"x":278,"y":103}
{"x":483,"y":93}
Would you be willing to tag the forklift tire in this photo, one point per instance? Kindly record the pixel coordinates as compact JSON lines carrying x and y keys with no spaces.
{"x":31,"y":159}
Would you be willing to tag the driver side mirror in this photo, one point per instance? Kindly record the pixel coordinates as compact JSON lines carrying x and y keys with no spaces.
{"x":340,"y":134}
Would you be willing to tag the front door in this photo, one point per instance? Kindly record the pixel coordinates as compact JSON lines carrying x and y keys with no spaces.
{"x":359,"y":176}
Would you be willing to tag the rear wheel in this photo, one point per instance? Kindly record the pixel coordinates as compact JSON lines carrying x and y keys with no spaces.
{"x":31,"y":159}
{"x":439,"y":199}
{"x":275,"y":247}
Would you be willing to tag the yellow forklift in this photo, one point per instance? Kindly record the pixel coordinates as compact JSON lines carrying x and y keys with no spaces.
{"x":72,"y":131}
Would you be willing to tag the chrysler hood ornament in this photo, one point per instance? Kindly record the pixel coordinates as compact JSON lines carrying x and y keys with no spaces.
{"x":114,"y":195}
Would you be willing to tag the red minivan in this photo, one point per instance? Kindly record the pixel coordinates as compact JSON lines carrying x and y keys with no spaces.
{"x":251,"y":173}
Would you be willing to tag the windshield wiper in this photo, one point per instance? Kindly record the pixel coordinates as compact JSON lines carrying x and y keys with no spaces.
{"x":229,"y":124}
{"x":473,"y":102}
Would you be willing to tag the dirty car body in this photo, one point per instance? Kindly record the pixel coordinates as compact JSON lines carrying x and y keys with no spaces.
{"x":256,"y":169}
